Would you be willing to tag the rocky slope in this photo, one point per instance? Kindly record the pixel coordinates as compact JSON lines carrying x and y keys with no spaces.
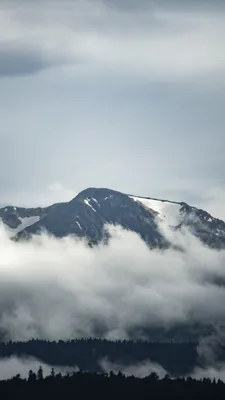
{"x":87,"y":214}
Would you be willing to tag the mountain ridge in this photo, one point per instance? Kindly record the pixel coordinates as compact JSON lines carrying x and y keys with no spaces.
{"x":86,"y":215}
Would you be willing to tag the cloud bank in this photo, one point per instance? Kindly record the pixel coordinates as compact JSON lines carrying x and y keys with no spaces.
{"x":60,"y":288}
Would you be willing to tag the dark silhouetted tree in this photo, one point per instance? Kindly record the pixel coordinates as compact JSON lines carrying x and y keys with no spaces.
{"x":32,"y":376}
{"x":40,"y":373}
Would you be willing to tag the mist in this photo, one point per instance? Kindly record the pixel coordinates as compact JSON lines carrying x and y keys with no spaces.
{"x":208,"y":357}
{"x":140,"y":370}
{"x":147,"y":367}
{"x":12,"y":366}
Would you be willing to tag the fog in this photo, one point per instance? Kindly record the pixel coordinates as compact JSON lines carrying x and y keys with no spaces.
{"x":208,"y":351}
{"x":147,"y":367}
{"x":12,"y":366}
{"x":140,"y":370}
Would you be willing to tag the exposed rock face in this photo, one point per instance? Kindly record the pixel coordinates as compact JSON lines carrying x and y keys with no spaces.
{"x":87,"y":214}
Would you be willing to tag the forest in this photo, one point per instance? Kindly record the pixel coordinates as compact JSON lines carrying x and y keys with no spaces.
{"x":86,"y":385}
{"x":86,"y":377}
{"x":176,"y":358}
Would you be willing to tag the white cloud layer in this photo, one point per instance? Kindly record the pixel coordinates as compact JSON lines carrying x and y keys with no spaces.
{"x":60,"y":288}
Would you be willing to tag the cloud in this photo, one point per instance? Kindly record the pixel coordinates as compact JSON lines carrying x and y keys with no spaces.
{"x":110,"y":95}
{"x":214,"y":202}
{"x":15,"y":61}
{"x":93,"y":37}
{"x":140,"y":370}
{"x":209,"y":364}
{"x":73,"y":124}
{"x":12,"y":366}
{"x":60,"y":193}
{"x":60,"y":288}
{"x":147,"y":367}
{"x":214,"y":372}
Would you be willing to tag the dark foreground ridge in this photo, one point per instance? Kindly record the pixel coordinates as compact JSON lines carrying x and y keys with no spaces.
{"x":91,"y":210}
{"x":84,"y":385}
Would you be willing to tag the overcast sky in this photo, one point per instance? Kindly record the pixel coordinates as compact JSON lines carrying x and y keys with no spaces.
{"x":128,"y":95}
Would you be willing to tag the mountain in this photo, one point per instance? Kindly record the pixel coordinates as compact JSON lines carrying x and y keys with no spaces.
{"x":87,"y":214}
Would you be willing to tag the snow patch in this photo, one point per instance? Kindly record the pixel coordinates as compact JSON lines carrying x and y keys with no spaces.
{"x":108,"y":197}
{"x":78,"y":225}
{"x":166,"y":210}
{"x":25,"y":223}
{"x":88,"y":204}
{"x":95,"y":201}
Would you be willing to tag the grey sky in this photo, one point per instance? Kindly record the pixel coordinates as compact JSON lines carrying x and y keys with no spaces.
{"x":125,"y":95}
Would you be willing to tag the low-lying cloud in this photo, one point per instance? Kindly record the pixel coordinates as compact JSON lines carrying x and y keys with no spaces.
{"x":147,"y":367}
{"x":209,"y":364}
{"x":140,"y":370}
{"x":12,"y":366}
{"x":61,"y":288}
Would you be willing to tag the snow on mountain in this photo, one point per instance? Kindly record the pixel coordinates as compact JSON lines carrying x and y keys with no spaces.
{"x":87,"y":214}
{"x":16,"y":219}
{"x":24,"y":223}
{"x":87,"y":201}
{"x":168,"y":211}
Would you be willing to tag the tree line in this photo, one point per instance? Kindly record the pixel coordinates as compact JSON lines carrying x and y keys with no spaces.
{"x":86,"y":385}
{"x":176,"y":358}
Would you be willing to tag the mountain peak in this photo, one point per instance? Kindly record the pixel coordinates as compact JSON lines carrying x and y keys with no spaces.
{"x":87,"y":214}
{"x":100,"y":193}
